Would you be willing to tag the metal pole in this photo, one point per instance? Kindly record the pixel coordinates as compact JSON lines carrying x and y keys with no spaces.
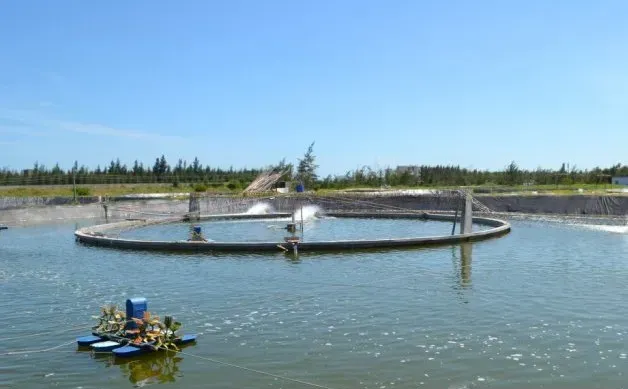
{"x":453,"y":228}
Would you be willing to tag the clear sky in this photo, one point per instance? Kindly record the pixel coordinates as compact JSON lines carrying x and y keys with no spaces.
{"x":378,"y":83}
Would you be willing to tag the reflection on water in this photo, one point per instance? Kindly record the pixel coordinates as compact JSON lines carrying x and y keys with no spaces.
{"x":154,"y":368}
{"x":461,"y":257}
{"x":465,"y":264}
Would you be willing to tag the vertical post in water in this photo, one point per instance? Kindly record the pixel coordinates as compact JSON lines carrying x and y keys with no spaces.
{"x":466,"y":222}
{"x":301,"y":220}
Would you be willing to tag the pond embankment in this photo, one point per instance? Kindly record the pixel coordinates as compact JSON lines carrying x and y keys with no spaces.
{"x":33,"y":210}
{"x":597,"y":205}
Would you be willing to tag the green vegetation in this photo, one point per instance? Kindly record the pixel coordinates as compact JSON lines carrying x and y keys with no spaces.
{"x":306,"y":170}
{"x":83,"y":191}
{"x":101,"y":190}
{"x":450,"y":176}
{"x":118,"y":179}
{"x":118,"y":173}
{"x":200,"y":188}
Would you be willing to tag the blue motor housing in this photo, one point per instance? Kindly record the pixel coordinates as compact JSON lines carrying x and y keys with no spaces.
{"x":135,"y":307}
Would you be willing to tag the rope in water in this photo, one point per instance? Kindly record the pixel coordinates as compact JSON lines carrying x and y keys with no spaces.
{"x":19,"y":352}
{"x":254,"y":370}
{"x":81,"y":327}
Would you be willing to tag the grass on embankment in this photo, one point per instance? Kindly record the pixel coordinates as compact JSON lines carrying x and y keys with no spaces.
{"x":497,"y":190}
{"x":127,"y":189}
{"x":98,"y":190}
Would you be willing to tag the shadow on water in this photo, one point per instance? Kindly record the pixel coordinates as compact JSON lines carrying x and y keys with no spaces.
{"x":154,"y":368}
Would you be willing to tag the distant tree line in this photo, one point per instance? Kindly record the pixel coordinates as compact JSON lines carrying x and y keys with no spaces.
{"x":183,"y":172}
{"x":449,"y":175}
{"x":118,"y":173}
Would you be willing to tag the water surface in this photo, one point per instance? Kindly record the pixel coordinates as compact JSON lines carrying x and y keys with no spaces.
{"x":541,"y":307}
{"x":314,"y":229}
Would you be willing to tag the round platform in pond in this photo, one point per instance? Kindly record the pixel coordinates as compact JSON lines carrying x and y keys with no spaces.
{"x":333,"y":231}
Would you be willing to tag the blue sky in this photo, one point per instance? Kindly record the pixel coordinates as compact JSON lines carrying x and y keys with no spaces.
{"x":245,"y":83}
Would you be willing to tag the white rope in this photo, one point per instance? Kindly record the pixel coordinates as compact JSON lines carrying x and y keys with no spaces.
{"x":19,"y":352}
{"x":85,"y":326}
{"x":255,"y":370}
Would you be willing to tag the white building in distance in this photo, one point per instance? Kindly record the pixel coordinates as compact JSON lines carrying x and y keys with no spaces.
{"x":620,"y":180}
{"x":412,"y":169}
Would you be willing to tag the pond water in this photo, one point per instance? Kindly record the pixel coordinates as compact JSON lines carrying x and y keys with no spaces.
{"x":544,"y":306}
{"x":314,"y":229}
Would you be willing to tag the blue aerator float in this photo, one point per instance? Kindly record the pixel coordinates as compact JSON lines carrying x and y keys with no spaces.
{"x":134,"y":332}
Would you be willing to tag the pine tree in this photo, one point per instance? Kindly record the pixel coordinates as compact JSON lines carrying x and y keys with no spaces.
{"x":306,"y":170}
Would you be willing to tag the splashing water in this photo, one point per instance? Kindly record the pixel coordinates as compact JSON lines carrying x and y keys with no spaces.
{"x":613,"y":229}
{"x":259,"y":209}
{"x":310,"y":212}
